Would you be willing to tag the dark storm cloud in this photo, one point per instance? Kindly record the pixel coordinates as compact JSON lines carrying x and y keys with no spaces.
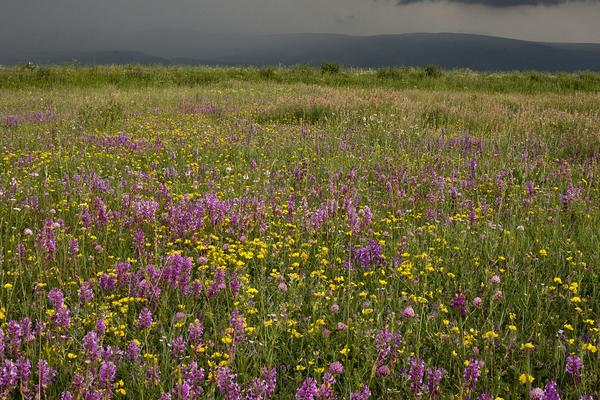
{"x":70,"y":23}
{"x":500,"y":3}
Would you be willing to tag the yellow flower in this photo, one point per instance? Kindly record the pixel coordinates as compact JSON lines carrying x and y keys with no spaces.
{"x":226,"y":340}
{"x":8,"y":286}
{"x":72,"y":356}
{"x":527,"y":346}
{"x":490,"y":335}
{"x":345,"y":351}
{"x":590,"y":347}
{"x":526,"y":378}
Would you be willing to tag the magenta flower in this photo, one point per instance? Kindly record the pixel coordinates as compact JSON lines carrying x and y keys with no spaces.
{"x":336,"y":368}
{"x":408,"y":312}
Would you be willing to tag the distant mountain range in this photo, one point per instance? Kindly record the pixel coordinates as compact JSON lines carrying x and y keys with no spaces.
{"x":448,"y":50}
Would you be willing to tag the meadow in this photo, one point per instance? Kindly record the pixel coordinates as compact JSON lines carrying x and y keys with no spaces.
{"x":298,"y":234}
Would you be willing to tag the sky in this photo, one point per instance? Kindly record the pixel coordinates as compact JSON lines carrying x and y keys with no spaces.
{"x":541,"y":20}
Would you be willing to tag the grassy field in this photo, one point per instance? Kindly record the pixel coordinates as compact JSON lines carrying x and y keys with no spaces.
{"x":399,"y":234}
{"x":430,"y":77}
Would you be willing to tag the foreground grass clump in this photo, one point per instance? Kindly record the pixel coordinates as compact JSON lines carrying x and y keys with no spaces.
{"x":269,"y":240}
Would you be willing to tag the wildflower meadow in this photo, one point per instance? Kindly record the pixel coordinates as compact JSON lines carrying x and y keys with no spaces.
{"x":268,"y":239}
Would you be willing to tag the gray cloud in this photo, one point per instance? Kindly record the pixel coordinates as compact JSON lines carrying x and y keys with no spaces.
{"x":561,"y":20}
{"x":499,"y":3}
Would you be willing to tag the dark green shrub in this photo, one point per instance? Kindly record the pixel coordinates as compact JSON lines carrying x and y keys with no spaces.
{"x":330,"y":68}
{"x":389,"y":73}
{"x":433,"y":71}
{"x":266,"y":73}
{"x":294,"y":113}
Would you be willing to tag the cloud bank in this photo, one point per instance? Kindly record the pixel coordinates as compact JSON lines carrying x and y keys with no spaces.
{"x":500,"y":3}
{"x":541,"y":20}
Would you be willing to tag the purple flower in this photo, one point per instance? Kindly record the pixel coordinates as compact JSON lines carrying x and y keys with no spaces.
{"x":218,"y":283}
{"x":13,"y":330}
{"x":364,"y":393}
{"x":550,"y":391}
{"x":178,"y":271}
{"x":86,"y":217}
{"x":144,"y":319}
{"x":195,"y":331}
{"x":325,"y":390}
{"x":263,"y":388}
{"x":46,"y":374}
{"x":434,"y":378}
{"x":152,"y":375}
{"x":21,"y":251}
{"x":415,"y":375}
{"x":472,"y":373}
{"x":193,"y":374}
{"x":66,"y":396}
{"x":107,"y":373}
{"x":133,"y":351}
{"x":90,"y":345}
{"x":86,"y":294}
{"x":308,"y":390}
{"x":12,"y":121}
{"x":183,"y":391}
{"x":78,"y":382}
{"x":237,"y":322}
{"x":9,"y":375}
{"x":100,"y":327}
{"x":387,"y":346}
{"x":574,"y":367}
{"x":178,"y":347}
{"x":459,"y":302}
{"x":73,"y":247}
{"x":56,"y":296}
{"x":139,"y":240}
{"x":47,"y":240}
{"x":227,"y":385}
{"x":369,"y":255}
{"x":24,"y":367}
{"x":107,"y":282}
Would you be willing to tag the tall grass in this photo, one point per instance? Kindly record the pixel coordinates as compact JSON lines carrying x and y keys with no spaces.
{"x":430,"y":77}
